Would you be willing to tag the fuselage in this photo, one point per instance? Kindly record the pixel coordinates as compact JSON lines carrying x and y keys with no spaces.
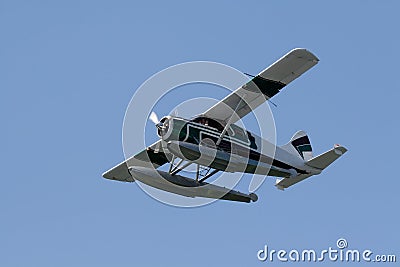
{"x":238,"y":151}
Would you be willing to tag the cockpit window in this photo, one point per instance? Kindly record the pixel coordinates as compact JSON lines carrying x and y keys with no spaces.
{"x":230,"y":131}
{"x":209,"y":122}
{"x":239,"y":132}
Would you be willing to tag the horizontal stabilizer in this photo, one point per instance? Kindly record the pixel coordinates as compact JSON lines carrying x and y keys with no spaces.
{"x":324,"y":160}
{"x":286,"y":182}
{"x":318,"y":163}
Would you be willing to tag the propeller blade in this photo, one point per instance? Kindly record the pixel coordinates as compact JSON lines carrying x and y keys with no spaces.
{"x":154,"y":118}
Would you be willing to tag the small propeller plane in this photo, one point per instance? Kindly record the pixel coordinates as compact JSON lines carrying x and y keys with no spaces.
{"x":214,"y":143}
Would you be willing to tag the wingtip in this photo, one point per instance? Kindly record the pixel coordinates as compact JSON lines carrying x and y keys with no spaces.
{"x":303,"y":52}
{"x":339,"y":149}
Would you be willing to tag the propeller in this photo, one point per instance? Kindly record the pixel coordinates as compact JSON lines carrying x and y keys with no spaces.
{"x":154,"y":118}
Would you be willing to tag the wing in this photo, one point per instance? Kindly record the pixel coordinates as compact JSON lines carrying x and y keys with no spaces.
{"x":263,"y":86}
{"x":151,"y":157}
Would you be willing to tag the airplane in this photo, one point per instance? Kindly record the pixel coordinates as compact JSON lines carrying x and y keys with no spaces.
{"x":214,"y":143}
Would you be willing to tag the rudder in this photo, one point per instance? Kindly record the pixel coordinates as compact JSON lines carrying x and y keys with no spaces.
{"x":299,"y":145}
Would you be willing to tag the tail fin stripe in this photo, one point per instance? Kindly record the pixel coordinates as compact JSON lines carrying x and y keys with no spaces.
{"x":300,"y":144}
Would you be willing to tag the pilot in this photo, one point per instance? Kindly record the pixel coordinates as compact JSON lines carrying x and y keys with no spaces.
{"x":204,"y":121}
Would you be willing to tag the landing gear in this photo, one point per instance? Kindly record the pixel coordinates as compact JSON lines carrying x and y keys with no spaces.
{"x":202,"y":172}
{"x":197,"y":185}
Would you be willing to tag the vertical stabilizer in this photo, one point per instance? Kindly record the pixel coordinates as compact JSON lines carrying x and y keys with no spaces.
{"x":299,"y":145}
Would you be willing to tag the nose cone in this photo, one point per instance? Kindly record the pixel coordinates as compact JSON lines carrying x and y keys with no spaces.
{"x":159,"y":125}
{"x":162,"y":126}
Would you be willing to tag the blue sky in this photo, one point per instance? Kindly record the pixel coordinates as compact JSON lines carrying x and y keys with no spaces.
{"x":68,"y":70}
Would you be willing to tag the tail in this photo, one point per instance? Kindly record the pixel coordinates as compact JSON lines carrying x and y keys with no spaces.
{"x":299,"y":145}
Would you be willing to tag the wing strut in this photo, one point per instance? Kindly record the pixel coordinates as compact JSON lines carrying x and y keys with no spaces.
{"x":178,"y":167}
{"x":229,"y":122}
